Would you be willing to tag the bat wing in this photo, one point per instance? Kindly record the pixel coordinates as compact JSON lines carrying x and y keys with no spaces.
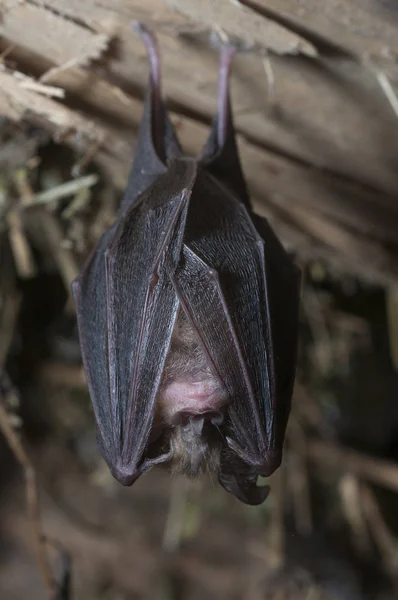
{"x":240,"y":291}
{"x":126,"y":308}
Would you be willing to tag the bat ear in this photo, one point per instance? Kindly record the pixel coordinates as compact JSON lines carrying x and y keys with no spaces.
{"x":220,"y":153}
{"x":156,"y":141}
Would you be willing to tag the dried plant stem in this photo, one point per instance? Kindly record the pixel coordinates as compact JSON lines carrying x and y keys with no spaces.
{"x":173,"y":530}
{"x":171,"y":583}
{"x":388,"y":91}
{"x":378,"y":471}
{"x":63,"y":257}
{"x":8,"y":316}
{"x":47,"y":90}
{"x":270,"y":77}
{"x":276,"y":531}
{"x":23,"y":186}
{"x":32,"y":500}
{"x":315,"y":314}
{"x":88,"y":156}
{"x":350,"y":493}
{"x":71,"y":377}
{"x":69,"y":188}
{"x":79,"y":202}
{"x":392,"y":319}
{"x":383,"y":537}
{"x":298,"y":478}
{"x":21,"y":250}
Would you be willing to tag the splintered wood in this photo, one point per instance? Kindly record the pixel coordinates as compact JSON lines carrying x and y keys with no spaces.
{"x":69,"y":44}
{"x":320,"y":157}
{"x":244,"y":25}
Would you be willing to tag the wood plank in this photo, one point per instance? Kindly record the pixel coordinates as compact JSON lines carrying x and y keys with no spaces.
{"x":62,"y":40}
{"x":365,"y":28}
{"x":329,"y":114}
{"x":320,"y":159}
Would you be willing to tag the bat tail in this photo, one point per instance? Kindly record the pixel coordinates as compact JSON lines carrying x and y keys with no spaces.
{"x":220,"y":154}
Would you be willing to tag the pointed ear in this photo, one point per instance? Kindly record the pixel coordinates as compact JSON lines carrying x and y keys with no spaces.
{"x":220,"y":154}
{"x":156,"y":141}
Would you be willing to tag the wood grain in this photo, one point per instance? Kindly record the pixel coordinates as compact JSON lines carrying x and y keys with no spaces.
{"x":320,"y":152}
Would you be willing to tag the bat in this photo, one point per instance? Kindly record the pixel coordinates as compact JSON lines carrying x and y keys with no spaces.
{"x":187,"y":312}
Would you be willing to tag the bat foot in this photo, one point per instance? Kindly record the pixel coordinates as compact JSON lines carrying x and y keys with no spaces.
{"x":141,"y":29}
{"x":155,"y":94}
{"x":149,"y":39}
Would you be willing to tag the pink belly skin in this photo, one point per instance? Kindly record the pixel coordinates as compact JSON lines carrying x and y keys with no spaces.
{"x":192,"y":396}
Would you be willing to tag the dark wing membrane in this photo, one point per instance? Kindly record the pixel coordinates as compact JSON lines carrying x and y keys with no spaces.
{"x":282,"y":288}
{"x":201,"y":295}
{"x":201,"y":286}
{"x":148,"y":164}
{"x":89,"y":291}
{"x":240,"y":479}
{"x":126,"y":310}
{"x":224,"y":283}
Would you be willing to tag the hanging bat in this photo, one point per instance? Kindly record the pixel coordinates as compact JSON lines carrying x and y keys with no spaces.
{"x":188,"y":312}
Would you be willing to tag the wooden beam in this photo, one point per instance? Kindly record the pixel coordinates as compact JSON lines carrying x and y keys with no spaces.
{"x":320,"y":156}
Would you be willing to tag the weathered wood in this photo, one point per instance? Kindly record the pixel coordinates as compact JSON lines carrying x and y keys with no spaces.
{"x":362,"y":28}
{"x":320,"y":154}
